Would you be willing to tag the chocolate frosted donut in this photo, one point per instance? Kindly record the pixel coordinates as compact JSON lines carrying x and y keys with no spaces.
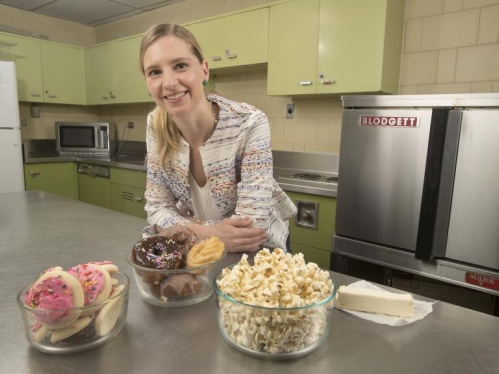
{"x":157,"y":252}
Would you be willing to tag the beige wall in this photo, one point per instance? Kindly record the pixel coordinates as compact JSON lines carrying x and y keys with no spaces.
{"x":450,"y":46}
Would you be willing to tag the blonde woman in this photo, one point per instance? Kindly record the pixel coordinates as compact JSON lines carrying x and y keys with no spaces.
{"x":209,"y":161}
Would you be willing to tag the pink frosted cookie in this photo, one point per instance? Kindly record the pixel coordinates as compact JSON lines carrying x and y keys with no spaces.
{"x":53,"y":294}
{"x":95,"y":281}
{"x":106,"y":265}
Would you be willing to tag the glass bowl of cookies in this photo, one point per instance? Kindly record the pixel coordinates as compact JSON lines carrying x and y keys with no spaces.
{"x":73,"y":310}
{"x":177,"y":270}
{"x":277,"y":307}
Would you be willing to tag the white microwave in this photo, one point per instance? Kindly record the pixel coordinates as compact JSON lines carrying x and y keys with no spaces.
{"x":85,"y":139}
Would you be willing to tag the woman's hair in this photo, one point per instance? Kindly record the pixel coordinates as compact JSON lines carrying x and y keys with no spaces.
{"x":164,"y":127}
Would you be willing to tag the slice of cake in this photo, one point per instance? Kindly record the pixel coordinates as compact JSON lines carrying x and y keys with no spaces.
{"x":374,"y":301}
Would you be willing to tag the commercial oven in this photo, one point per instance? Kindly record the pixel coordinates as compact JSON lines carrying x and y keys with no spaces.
{"x":418,"y":186}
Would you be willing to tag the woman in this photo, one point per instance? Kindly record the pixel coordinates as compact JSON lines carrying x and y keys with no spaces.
{"x":209,"y":161}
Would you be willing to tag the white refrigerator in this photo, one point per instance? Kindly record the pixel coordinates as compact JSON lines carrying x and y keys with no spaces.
{"x":11,"y":158}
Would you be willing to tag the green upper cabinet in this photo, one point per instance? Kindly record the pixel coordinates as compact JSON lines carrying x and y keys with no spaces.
{"x":25,"y":52}
{"x":63,"y":73}
{"x":235,"y":40}
{"x":113,"y":73}
{"x":340,"y":47}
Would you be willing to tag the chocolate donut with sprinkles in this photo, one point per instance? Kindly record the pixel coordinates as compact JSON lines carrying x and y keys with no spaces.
{"x":158,"y":252}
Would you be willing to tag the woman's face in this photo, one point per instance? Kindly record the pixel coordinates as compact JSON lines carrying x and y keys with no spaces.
{"x":174,"y":75}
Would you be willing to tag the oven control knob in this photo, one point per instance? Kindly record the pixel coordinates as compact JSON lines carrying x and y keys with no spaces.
{"x":306,"y":215}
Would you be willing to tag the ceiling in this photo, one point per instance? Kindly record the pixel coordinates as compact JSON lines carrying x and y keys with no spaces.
{"x":88,"y":12}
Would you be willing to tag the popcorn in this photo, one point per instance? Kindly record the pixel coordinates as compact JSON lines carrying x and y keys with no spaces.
{"x":280,"y":281}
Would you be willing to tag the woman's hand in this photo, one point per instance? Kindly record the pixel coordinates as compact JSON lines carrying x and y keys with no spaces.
{"x":237,"y":234}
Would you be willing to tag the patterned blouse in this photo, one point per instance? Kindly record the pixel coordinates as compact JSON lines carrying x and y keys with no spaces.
{"x":237,"y":162}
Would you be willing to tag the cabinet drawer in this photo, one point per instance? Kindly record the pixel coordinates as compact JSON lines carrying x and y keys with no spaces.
{"x":95,"y":190}
{"x":129,"y":200}
{"x":56,"y":178}
{"x":127,"y":177}
{"x":319,"y":256}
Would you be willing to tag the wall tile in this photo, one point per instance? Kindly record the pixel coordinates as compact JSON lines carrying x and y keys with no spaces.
{"x":495,"y":86}
{"x":480,"y":63}
{"x":479,"y":87}
{"x":276,"y":106}
{"x":257,"y":82}
{"x":423,"y":8}
{"x":478,"y":3}
{"x":453,"y":5}
{"x":303,"y":130}
{"x":419,"y":68}
{"x":277,"y":130}
{"x":450,"y":88}
{"x":299,"y":147}
{"x":408,"y":90}
{"x":446,"y":65}
{"x":488,"y":31}
{"x":323,"y":129}
{"x":450,"y":30}
{"x":335,"y":131}
{"x":282,"y":146}
{"x":319,"y":148}
{"x":413,"y":34}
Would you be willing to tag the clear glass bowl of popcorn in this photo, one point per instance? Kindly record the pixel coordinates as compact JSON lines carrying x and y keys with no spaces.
{"x":272,"y":332}
{"x":72,"y":330}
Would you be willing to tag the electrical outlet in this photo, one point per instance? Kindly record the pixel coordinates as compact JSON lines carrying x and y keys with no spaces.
{"x":131,"y":125}
{"x":290,"y":111}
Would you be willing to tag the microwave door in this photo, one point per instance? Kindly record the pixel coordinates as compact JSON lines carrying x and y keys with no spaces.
{"x":381,"y":171}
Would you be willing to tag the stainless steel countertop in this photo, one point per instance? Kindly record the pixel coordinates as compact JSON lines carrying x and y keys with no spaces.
{"x":39,"y":230}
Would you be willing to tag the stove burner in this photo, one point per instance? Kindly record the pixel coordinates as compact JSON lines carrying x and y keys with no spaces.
{"x":307,"y":176}
{"x":314,"y":177}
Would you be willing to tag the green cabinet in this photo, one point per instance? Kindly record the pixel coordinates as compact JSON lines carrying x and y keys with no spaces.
{"x":58,"y":178}
{"x":95,"y":190}
{"x":113,"y":73}
{"x":340,"y":47}
{"x":315,"y":244}
{"x":128,"y":188}
{"x":46,"y":71}
{"x":234,"y":40}
{"x":63,"y":73}
{"x":25,"y":52}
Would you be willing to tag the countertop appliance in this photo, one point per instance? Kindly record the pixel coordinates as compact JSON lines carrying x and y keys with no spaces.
{"x":418,"y":186}
{"x":85,"y":139}
{"x":11,"y":155}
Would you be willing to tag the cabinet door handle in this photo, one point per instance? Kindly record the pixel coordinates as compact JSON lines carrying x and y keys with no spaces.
{"x":104,"y":97}
{"x":232,"y":55}
{"x":216,"y":58}
{"x":137,"y":198}
{"x":305,"y":83}
{"x":328,"y":81}
{"x":35,"y":94}
{"x":34,"y":172}
{"x":112,"y":96}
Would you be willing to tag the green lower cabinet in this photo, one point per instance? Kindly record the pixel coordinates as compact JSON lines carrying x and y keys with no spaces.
{"x":319,"y":256}
{"x":60,"y":178}
{"x":128,"y":188}
{"x":129,"y":200}
{"x":95,"y":190}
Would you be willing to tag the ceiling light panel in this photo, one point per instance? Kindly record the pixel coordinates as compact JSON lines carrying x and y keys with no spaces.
{"x":26,"y":4}
{"x":84,"y":12}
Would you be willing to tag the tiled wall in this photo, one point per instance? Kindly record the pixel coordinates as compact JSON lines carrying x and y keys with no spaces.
{"x":450,"y":46}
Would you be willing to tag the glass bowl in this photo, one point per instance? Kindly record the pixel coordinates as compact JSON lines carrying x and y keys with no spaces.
{"x":275,"y":333}
{"x":95,"y":325}
{"x":175,"y":288}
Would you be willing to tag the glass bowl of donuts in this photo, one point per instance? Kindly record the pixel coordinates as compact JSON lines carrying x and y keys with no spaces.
{"x":177,"y":270}
{"x":276,"y":307}
{"x":74,"y":310}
